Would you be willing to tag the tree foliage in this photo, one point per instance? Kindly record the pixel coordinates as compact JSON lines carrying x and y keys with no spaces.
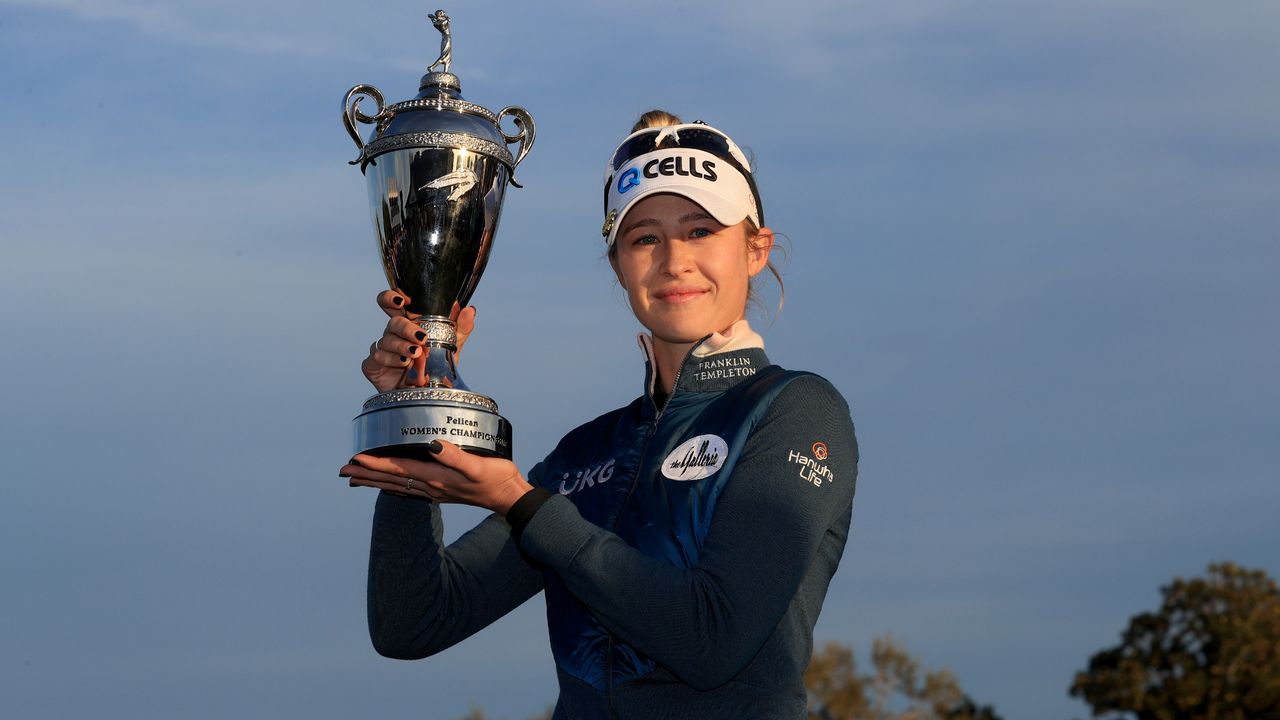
{"x":897,"y":688}
{"x":477,"y":713}
{"x":1211,"y":652}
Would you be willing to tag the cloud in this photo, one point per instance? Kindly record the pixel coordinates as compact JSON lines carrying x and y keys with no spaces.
{"x":1030,"y":243}
{"x":175,"y":23}
{"x":304,"y":31}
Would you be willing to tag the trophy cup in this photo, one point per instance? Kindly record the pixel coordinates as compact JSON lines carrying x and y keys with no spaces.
{"x":437,"y":167}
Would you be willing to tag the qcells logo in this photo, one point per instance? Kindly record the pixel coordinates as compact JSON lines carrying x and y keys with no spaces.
{"x":686,"y":166}
{"x":696,"y":458}
{"x":628,"y":180}
{"x":583,"y":479}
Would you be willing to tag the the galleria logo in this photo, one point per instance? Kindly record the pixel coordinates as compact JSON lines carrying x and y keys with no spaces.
{"x":696,"y":458}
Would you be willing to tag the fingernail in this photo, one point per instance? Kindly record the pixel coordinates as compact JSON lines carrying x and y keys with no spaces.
{"x":414,"y":350}
{"x":435,"y":448}
{"x":351,"y":484}
{"x":397,"y":300}
{"x":412,"y":374}
{"x":404,"y":359}
{"x":420,"y":335}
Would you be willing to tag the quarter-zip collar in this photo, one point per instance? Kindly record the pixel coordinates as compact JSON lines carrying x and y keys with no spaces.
{"x":715,"y":363}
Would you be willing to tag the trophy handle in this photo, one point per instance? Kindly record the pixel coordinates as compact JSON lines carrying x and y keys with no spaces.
{"x":351,"y":113}
{"x":524,"y":123}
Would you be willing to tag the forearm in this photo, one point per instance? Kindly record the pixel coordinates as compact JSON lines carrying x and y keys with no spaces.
{"x":423,"y":597}
{"x":704,"y":623}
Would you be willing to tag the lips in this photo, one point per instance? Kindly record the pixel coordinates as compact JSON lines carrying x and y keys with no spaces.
{"x":679,"y":294}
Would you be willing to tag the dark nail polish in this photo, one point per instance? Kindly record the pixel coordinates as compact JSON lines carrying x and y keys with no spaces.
{"x":413,"y":351}
{"x":420,"y":335}
{"x":412,"y":374}
{"x":397,"y":300}
{"x":435,"y":448}
{"x":404,"y":359}
{"x":352,"y":484}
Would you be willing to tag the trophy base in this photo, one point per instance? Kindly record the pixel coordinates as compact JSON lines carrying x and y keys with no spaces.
{"x":402,"y":423}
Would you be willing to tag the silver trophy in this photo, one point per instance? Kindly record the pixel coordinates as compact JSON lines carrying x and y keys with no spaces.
{"x":437,"y":168}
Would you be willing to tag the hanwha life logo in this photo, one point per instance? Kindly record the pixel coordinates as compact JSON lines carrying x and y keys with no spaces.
{"x":820,"y":450}
{"x":696,"y":458}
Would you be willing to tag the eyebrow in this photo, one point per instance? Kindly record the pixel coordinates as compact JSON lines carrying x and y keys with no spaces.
{"x":696,"y":215}
{"x":649,"y":222}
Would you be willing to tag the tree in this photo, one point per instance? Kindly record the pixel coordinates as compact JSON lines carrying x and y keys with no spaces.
{"x":477,"y":713}
{"x":968,"y":709}
{"x":1211,"y":652}
{"x":896,"y":689}
{"x":836,"y":690}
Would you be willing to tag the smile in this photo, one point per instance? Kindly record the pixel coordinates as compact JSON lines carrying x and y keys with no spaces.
{"x":679,"y":295}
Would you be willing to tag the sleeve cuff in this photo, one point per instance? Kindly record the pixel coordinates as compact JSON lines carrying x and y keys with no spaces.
{"x":403,"y":507}
{"x":522,"y":511}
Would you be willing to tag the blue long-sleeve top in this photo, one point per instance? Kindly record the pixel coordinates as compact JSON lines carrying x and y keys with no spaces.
{"x":685,"y":551}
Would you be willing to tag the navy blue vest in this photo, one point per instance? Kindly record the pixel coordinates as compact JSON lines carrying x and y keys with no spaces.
{"x":652,"y":477}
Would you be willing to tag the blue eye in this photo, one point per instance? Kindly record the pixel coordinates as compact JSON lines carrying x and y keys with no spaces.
{"x":700,"y":232}
{"x":645,"y":240}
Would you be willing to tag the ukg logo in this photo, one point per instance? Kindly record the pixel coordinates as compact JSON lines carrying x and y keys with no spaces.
{"x":583,"y":479}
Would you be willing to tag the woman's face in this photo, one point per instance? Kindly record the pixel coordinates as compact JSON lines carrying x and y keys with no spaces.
{"x":685,"y":274}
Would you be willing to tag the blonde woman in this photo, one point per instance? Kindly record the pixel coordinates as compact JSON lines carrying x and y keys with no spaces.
{"x":684,"y":542}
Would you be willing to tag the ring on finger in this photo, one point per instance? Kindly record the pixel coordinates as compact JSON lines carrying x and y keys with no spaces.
{"x":408,"y":484}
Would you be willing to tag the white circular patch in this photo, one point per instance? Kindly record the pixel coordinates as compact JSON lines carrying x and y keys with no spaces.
{"x":696,"y":458}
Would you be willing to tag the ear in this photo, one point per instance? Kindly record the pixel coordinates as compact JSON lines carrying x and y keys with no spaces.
{"x":758,"y":250}
{"x":613,"y":263}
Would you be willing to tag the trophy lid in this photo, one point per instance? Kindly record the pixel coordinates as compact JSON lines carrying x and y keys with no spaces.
{"x":437,"y":117}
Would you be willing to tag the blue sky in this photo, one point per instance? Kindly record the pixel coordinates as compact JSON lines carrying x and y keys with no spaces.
{"x":1034,"y":244}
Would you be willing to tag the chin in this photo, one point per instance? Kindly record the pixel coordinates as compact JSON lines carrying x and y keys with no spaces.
{"x":680,"y":335}
{"x":681,"y":330}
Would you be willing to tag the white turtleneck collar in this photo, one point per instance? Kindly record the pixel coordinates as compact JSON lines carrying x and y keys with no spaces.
{"x":739,"y":336}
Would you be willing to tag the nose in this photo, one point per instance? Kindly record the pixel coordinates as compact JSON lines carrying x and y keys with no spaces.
{"x":676,"y":258}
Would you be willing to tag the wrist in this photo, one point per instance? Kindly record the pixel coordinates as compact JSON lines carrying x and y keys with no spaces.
{"x":522,"y":512}
{"x":512,"y":492}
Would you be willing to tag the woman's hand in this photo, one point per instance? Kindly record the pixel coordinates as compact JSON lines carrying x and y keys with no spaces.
{"x":398,"y":357}
{"x":456,"y":476}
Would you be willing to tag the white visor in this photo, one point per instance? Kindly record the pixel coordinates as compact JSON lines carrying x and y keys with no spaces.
{"x":714,"y":183}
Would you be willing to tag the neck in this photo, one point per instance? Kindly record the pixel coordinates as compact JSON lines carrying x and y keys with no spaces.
{"x":668,"y":357}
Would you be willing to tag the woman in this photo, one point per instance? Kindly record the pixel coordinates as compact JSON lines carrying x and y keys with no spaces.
{"x":685,"y":542}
